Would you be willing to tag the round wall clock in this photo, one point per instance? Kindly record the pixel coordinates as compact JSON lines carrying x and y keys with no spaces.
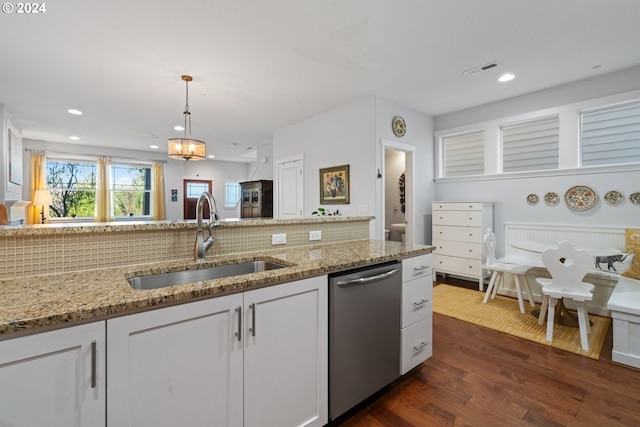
{"x":399,"y":126}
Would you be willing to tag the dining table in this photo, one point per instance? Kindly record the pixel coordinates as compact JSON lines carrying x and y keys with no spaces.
{"x":563,"y":316}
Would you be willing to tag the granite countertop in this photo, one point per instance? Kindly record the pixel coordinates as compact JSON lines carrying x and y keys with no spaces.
{"x":38,"y":303}
{"x":105,"y":227}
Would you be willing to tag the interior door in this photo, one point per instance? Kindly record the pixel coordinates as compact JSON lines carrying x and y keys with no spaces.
{"x":290,"y":188}
{"x":193,"y":188}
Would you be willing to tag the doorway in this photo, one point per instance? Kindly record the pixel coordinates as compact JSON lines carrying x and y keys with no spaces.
{"x":289,"y":188}
{"x":397,"y":192}
{"x":193,"y":188}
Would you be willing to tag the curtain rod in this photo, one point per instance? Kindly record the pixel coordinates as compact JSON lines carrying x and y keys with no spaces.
{"x":95,"y":155}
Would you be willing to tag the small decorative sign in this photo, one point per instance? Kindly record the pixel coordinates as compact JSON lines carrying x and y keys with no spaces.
{"x":174,"y":194}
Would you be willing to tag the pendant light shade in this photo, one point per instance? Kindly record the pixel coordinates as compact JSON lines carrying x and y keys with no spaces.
{"x":187,"y":148}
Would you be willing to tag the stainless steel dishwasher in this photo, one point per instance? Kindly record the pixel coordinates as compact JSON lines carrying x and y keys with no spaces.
{"x":364,"y":333}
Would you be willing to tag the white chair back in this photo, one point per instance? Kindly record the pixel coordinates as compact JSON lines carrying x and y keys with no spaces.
{"x":489,"y":243}
{"x":566,"y":264}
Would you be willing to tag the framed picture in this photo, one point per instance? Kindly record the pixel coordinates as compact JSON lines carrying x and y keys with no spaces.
{"x":335,"y":185}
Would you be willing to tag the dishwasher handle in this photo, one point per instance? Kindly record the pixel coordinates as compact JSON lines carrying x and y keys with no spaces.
{"x":365,"y":280}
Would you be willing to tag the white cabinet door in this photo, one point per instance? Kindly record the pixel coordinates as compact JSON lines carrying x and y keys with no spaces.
{"x":285,"y":372}
{"x":177,"y":366}
{"x":54,"y":379}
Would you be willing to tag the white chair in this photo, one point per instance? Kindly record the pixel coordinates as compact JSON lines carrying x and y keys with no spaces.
{"x":519,"y":271}
{"x":567,"y":266}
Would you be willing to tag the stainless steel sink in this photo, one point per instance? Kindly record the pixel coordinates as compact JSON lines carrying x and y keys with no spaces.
{"x":155,"y":281}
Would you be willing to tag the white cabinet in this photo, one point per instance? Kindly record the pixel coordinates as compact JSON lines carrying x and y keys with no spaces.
{"x":416,"y":343}
{"x":174,"y":366}
{"x":257,"y":358}
{"x":286,"y":355}
{"x":458,"y":229}
{"x":54,"y":379}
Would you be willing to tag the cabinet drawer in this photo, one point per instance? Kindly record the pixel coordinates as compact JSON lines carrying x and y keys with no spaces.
{"x":462,"y":266}
{"x":459,"y":249}
{"x":462,"y":218}
{"x":416,"y":300}
{"x":457,"y":234}
{"x":451,"y":206}
{"x":415,"y":267}
{"x":416,"y":344}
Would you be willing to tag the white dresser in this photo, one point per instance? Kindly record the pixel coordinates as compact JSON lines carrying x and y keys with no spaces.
{"x":458,"y":228}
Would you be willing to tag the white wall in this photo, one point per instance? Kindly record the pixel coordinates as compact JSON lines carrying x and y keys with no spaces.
{"x":345,"y":135}
{"x":419,"y":135}
{"x":352,"y":135}
{"x":509,"y":195}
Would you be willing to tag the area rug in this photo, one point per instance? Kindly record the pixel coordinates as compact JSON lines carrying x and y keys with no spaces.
{"x":502,"y":314}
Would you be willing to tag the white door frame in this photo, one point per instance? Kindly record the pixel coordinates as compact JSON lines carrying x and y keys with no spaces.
{"x":409,"y":214}
{"x":276,"y":190}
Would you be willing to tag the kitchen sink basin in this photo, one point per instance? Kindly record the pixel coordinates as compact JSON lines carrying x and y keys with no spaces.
{"x":162,"y":280}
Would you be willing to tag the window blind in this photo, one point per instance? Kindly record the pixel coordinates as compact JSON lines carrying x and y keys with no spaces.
{"x":610,"y":135}
{"x":531,"y":145}
{"x":463,"y":154}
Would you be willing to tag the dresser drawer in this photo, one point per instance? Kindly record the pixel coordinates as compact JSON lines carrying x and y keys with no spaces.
{"x":462,"y":218}
{"x":415,"y":267}
{"x":416,"y":344}
{"x":451,"y":206}
{"x":457,"y":234}
{"x":459,"y":249}
{"x":462,"y":266}
{"x":416,"y":300}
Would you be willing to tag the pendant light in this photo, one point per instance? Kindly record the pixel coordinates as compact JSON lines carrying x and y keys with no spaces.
{"x":187,"y":148}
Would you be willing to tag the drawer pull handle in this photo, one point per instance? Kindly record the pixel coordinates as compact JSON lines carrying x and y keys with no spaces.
{"x":418,"y":269}
{"x":420,"y":346}
{"x":239,"y":333}
{"x":421,"y":302}
{"x":94,"y":364}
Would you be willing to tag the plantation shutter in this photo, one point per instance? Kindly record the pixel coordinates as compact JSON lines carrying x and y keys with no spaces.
{"x":464,"y":154}
{"x":531,"y":146}
{"x":611,"y":135}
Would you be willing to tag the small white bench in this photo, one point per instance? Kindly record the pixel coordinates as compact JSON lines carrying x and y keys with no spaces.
{"x":624,"y":304}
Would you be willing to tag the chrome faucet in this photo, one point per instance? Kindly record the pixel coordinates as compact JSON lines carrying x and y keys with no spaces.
{"x":202,"y":245}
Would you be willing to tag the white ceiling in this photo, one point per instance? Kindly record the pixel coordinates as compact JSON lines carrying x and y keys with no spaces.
{"x":261,"y":65}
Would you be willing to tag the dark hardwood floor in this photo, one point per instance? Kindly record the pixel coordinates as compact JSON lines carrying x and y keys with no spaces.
{"x":480,"y":377}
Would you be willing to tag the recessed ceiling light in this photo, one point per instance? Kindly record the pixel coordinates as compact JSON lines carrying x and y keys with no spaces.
{"x":75,"y":138}
{"x":74,"y":111}
{"x":506,"y":77}
{"x":180,"y":128}
{"x":153,"y":146}
{"x":211,"y":156}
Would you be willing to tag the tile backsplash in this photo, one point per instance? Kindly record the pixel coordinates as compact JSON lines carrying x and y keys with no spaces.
{"x":37,"y":253}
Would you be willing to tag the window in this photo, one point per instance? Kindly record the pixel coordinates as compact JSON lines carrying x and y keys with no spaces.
{"x":196,"y":188}
{"x":231,"y":193}
{"x":610,"y":135}
{"x":531,"y":146}
{"x":73,"y":189}
{"x":463,"y":154}
{"x":130,"y":191}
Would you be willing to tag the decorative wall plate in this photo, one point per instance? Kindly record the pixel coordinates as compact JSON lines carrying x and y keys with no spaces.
{"x":635,"y":198}
{"x":580,"y":197}
{"x":532,"y":199}
{"x":551,"y":198}
{"x":613,"y":197}
{"x":399,"y":126}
